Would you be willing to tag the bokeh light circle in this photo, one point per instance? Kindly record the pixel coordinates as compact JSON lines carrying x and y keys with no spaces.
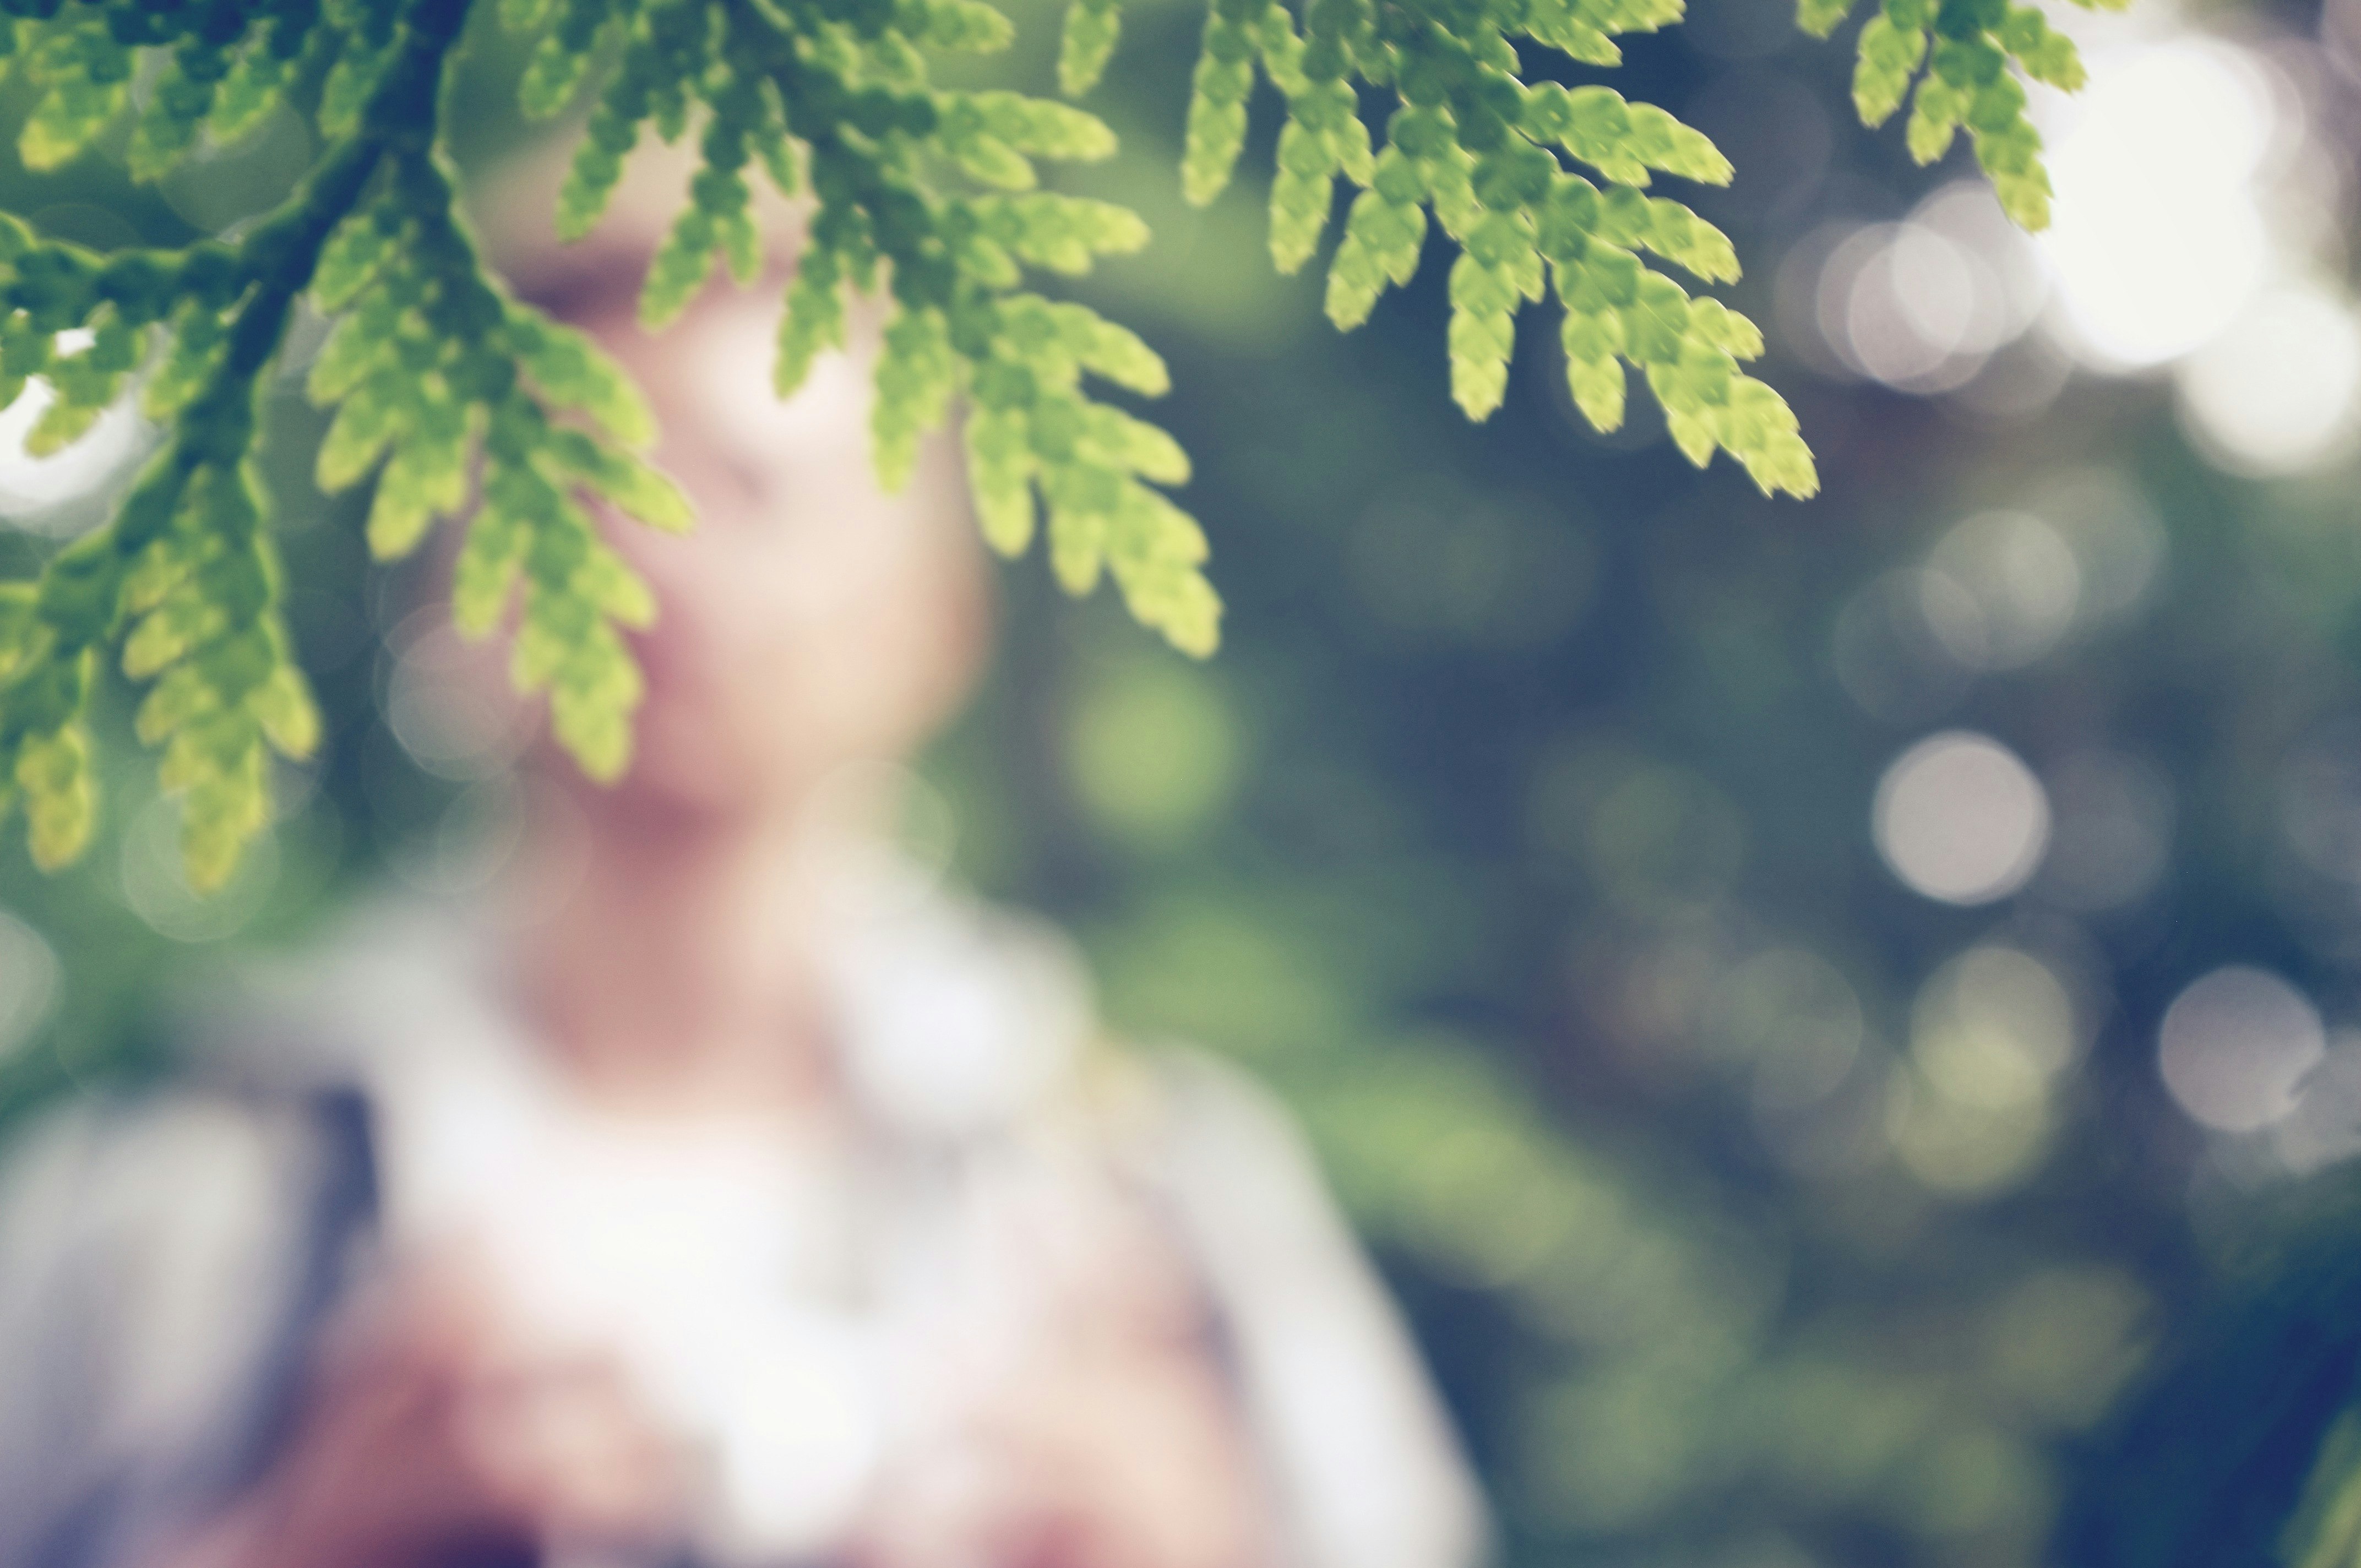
{"x":38,"y":494}
{"x":2024,"y":581}
{"x":2158,"y":241}
{"x":446,"y":704}
{"x":1992,"y":1027}
{"x":1959,"y":819}
{"x":1922,"y":305}
{"x":1893,"y":645}
{"x":1795,"y":1020}
{"x":153,"y":876}
{"x":2235,"y":1046}
{"x":31,"y":976}
{"x":2279,"y":392}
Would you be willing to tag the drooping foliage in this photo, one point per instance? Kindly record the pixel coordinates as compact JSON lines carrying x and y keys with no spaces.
{"x":455,"y":399}
{"x":2243,"y":1449}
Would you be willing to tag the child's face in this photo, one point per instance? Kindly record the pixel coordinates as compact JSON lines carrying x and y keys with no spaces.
{"x":810,"y":621}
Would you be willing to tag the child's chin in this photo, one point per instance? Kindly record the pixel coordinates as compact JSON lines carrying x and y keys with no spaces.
{"x":678,"y":768}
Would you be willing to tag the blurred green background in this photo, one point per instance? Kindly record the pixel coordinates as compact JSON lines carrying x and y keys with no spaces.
{"x":1796,"y":994}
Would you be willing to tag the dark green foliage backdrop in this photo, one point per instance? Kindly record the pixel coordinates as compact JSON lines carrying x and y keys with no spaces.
{"x":1517,"y":833}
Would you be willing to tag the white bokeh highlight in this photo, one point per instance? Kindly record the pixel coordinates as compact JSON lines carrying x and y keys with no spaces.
{"x":1959,"y":819}
{"x":32,"y":490}
{"x":1921,"y":304}
{"x":1993,"y":1027}
{"x":2022,"y":579}
{"x":2235,"y":1046}
{"x":30,"y":980}
{"x":2158,"y":239}
{"x":2280,"y":390}
{"x":2197,"y":218}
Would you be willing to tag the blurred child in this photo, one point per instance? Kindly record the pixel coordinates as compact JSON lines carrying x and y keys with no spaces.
{"x":720,"y":1191}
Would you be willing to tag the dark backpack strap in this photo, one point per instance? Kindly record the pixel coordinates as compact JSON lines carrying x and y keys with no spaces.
{"x":343,"y":1216}
{"x":112,"y":1512}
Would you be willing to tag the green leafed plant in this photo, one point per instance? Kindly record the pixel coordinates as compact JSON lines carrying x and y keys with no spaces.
{"x":456,"y":401}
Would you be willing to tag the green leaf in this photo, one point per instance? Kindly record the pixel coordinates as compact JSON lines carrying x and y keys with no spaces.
{"x":1664,"y":142}
{"x":1000,"y":474}
{"x":683,"y":265}
{"x":22,"y":637}
{"x":1063,"y":233}
{"x":1821,"y":17}
{"x":1087,"y":43}
{"x":289,"y":716}
{"x":990,"y":162}
{"x":255,"y":84}
{"x":1935,"y":115}
{"x":186,"y":620}
{"x":572,"y":372}
{"x":1713,"y":322}
{"x":1216,"y":129}
{"x":350,"y":83}
{"x":363,"y":344}
{"x":484,"y":575}
{"x":1760,"y":432}
{"x":366,"y":422}
{"x":1686,"y":240}
{"x":1301,"y":196}
{"x":916,"y":376}
{"x":1656,"y":323}
{"x":426,"y":477}
{"x":227,"y":806}
{"x":1115,"y":439}
{"x":814,"y":321}
{"x":552,"y":76}
{"x":644,"y":494}
{"x":637,"y":488}
{"x":2324,"y":1530}
{"x":350,"y":261}
{"x":1561,"y":26}
{"x":963,"y":27}
{"x":1108,"y":349}
{"x":83,"y":77}
{"x":1483,"y":335}
{"x":1598,"y":385}
{"x":1155,"y":550}
{"x":2044,"y":53}
{"x":1042,"y":127}
{"x":177,"y":700}
{"x":179,"y":101}
{"x":61,"y":426}
{"x":1888,"y":60}
{"x":53,"y":776}
{"x":524,"y":16}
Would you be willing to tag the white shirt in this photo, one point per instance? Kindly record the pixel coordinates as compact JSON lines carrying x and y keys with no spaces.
{"x":804,"y":1307}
